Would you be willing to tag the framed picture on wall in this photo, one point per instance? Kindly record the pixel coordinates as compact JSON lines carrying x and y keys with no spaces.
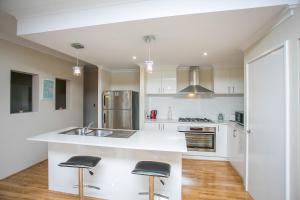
{"x":48,"y":89}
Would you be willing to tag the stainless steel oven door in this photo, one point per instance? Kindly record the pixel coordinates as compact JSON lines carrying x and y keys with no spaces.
{"x":201,"y":141}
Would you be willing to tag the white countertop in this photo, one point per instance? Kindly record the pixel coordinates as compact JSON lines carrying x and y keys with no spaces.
{"x":142,"y":140}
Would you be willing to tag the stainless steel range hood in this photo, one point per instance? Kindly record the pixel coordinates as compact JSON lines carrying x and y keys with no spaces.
{"x":195,"y":87}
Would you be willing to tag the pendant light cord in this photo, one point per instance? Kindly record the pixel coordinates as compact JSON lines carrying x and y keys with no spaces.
{"x":149,"y":50}
{"x":77,"y":57}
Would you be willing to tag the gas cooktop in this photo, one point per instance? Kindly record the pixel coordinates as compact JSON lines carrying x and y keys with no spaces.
{"x":194,"y":120}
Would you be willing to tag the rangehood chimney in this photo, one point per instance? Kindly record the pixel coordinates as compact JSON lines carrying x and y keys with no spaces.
{"x":195,"y":87}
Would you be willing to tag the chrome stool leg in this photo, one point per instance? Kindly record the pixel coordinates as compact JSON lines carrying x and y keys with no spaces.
{"x":80,"y":183}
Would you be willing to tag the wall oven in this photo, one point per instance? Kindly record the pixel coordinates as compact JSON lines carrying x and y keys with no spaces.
{"x":199,"y":138}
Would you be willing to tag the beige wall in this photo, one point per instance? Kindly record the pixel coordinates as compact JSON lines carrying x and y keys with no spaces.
{"x":288,"y":30}
{"x":16,"y":153}
{"x":125,"y":80}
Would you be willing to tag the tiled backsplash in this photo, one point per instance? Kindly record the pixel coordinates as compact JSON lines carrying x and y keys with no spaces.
{"x":196,"y":107}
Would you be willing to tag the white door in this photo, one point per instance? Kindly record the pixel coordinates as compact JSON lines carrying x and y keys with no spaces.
{"x":153,"y":83}
{"x":266,"y":121}
{"x":169,"y":83}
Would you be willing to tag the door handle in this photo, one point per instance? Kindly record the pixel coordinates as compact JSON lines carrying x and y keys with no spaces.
{"x":104,"y":101}
{"x":163,"y":126}
{"x":232,"y":89}
{"x":248,"y":131}
{"x":104,"y":118}
{"x":234,"y":133}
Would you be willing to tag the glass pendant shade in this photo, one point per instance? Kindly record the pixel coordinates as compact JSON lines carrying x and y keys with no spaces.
{"x":77,"y":70}
{"x":149,"y":66}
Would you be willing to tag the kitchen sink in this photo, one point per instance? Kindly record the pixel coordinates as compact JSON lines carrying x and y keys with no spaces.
{"x":76,"y":131}
{"x":100,"y":132}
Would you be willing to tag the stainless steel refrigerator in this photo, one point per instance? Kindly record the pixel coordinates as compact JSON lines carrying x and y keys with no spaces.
{"x":120,"y":109}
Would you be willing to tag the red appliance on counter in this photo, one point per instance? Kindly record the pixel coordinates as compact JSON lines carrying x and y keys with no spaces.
{"x":153,"y":114}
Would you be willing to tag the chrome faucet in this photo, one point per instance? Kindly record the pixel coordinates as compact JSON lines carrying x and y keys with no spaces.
{"x":86,"y":129}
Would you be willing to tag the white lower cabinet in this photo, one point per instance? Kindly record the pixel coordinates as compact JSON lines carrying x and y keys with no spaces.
{"x":237,"y":150}
{"x":163,"y":127}
{"x":221,"y":140}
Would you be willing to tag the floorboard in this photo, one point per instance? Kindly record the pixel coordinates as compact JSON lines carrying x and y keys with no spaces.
{"x":202,"y":180}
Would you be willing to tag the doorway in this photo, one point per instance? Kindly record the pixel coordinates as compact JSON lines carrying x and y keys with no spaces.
{"x":266,"y":124}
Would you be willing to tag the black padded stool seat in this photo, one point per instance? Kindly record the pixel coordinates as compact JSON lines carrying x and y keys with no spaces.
{"x":81,"y":162}
{"x":151,"y":168}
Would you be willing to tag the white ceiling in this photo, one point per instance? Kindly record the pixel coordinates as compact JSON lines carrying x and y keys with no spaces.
{"x":181,"y":40}
{"x":31,"y":8}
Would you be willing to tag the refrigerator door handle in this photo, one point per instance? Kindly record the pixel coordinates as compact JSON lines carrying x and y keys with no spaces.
{"x":104,"y":118}
{"x":104,"y":101}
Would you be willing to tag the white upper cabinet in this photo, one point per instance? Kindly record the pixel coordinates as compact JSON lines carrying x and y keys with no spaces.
{"x":229,"y":80}
{"x":169,"y":82}
{"x":153,"y":82}
{"x":161,"y":82}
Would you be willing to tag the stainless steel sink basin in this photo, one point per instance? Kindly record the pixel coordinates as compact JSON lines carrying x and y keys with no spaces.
{"x":76,"y":131}
{"x":100,"y":132}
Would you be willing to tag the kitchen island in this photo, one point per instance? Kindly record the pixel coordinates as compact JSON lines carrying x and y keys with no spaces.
{"x":119,"y":156}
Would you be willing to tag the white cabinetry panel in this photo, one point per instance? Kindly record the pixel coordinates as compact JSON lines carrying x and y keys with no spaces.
{"x":237,"y":150}
{"x":161,"y":82}
{"x":163,"y":127}
{"x":229,"y":80}
{"x":221,"y":140}
{"x":169,"y":82}
{"x":153,"y":85}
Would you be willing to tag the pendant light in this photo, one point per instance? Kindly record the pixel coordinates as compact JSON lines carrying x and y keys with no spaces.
{"x":149,"y":63}
{"x":77,"y":69}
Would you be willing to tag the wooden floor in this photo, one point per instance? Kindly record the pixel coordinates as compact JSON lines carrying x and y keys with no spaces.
{"x":202,"y":180}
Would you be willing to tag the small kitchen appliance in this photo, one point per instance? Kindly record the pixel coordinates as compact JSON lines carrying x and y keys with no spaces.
{"x":153,"y":114}
{"x":239,"y":117}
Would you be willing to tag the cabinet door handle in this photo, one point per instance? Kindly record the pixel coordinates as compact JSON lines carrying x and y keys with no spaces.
{"x":233,"y":89}
{"x":163,"y":126}
{"x":234,"y":133}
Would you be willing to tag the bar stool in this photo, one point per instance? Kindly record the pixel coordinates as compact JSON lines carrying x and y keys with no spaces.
{"x":152,"y":169}
{"x":82,"y":162}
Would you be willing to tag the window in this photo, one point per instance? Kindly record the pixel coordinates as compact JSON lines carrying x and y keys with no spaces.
{"x":60,"y":94}
{"x":20,"y":92}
